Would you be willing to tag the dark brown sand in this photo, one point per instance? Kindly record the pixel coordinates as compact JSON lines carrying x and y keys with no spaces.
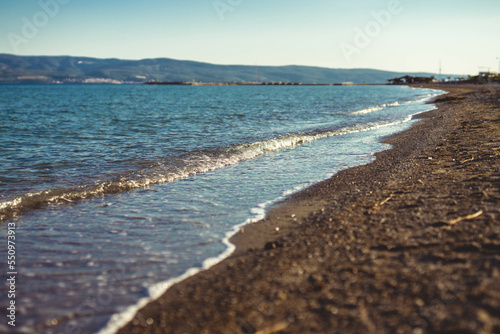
{"x":407,"y":244}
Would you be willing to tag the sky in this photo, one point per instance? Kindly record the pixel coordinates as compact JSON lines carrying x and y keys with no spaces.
{"x":398,"y":35}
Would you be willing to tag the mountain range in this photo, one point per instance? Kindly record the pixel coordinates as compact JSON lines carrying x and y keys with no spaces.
{"x":69,"y":69}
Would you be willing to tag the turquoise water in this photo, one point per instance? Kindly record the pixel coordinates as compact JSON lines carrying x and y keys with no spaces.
{"x":117,"y":190}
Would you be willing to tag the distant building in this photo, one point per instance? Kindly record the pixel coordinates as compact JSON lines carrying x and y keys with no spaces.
{"x":486,"y":77}
{"x":488,"y":74}
{"x":408,"y":79}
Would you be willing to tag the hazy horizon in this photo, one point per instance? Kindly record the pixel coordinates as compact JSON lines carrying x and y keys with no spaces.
{"x":390,"y":35}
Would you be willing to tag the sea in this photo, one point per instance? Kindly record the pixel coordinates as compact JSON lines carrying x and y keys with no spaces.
{"x":109,"y":194}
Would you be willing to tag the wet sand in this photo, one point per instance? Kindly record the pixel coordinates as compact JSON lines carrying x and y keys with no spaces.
{"x":407,"y":244}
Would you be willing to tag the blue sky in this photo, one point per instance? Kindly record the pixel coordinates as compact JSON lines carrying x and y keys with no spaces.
{"x":400,"y":35}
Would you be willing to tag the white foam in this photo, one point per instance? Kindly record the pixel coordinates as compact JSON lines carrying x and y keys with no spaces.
{"x":297,"y":189}
{"x":427,"y":97}
{"x":367,"y":110}
{"x":376,"y":108}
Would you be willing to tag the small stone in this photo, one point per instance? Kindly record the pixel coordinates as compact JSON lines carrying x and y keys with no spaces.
{"x":282,"y":296}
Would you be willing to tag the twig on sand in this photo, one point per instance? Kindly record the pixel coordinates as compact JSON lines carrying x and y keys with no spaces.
{"x":377,"y":206}
{"x":471,"y":159}
{"x":277,"y":327}
{"x":459,"y":219}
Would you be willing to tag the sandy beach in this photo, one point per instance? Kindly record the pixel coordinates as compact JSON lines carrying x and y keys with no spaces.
{"x":407,"y":244}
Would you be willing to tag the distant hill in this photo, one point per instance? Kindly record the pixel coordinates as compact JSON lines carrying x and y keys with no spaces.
{"x":49,"y":69}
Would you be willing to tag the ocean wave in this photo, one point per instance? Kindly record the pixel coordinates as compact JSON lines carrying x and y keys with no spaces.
{"x":376,"y":108}
{"x":172,"y":169}
{"x":426,"y":97}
